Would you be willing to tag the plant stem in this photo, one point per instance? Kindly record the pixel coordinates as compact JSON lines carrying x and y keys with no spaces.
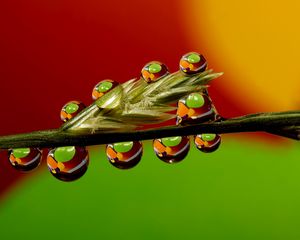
{"x":285,"y":124}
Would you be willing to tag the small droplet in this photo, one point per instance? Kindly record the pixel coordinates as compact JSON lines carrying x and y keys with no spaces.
{"x":25,"y":159}
{"x":207,"y":142}
{"x":192,"y":63}
{"x":70,"y":110}
{"x":103,"y":87}
{"x":124,"y":155}
{"x":153,"y":71}
{"x":195,"y":108}
{"x":68,"y":163}
{"x":171,"y":149}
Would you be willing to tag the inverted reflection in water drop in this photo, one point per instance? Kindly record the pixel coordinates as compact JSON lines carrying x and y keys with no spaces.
{"x":25,"y":159}
{"x":195,"y":108}
{"x":207,"y":142}
{"x":103,"y":87}
{"x":124,"y":155}
{"x":154,"y":71}
{"x":192,"y":63}
{"x":68,"y":163}
{"x":171,"y":149}
{"x":70,"y":110}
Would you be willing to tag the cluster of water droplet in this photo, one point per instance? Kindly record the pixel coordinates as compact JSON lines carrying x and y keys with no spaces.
{"x":71,"y":162}
{"x":195,"y":108}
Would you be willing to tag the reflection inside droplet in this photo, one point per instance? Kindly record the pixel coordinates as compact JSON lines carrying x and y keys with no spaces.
{"x":207,"y":142}
{"x":192,"y":63}
{"x":68,"y":163}
{"x":103,"y":87}
{"x":171,"y":149}
{"x":195,"y":108}
{"x":153,"y":71}
{"x":25,"y":159}
{"x":124,"y":155}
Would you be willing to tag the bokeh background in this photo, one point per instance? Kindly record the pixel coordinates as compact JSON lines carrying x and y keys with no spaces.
{"x":53,"y":51}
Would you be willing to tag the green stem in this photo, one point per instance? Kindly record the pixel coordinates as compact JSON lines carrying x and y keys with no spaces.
{"x":286,"y":124}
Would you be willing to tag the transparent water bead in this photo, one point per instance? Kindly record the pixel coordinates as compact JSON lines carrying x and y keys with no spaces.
{"x":25,"y":159}
{"x":70,"y":110}
{"x":192,"y":63}
{"x":207,"y":142}
{"x":68,"y":163}
{"x":103,"y":87}
{"x":195,"y":108}
{"x":171,"y":149}
{"x":124,"y":155}
{"x":153,"y":71}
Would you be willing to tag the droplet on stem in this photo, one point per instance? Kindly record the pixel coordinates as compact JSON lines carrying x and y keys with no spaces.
{"x":68,"y":163}
{"x":124,"y":155}
{"x":103,"y":87}
{"x":195,"y":108}
{"x":70,"y":110}
{"x":153,"y":71}
{"x":25,"y":159}
{"x":192,"y":63}
{"x":171,"y":149}
{"x":207,"y":142}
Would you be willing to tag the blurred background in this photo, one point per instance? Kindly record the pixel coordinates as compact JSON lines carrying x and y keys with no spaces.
{"x":54,"y":51}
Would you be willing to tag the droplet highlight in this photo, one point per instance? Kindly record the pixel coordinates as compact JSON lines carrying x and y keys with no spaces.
{"x":171,"y":149}
{"x":195,"y":108}
{"x":103,"y":87}
{"x":124,"y":155}
{"x":153,"y":71}
{"x":70,"y":110}
{"x":207,"y":142}
{"x":25,"y":159}
{"x":192,"y":63}
{"x":68,"y":163}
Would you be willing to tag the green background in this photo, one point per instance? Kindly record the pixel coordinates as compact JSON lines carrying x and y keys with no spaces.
{"x":245,"y":190}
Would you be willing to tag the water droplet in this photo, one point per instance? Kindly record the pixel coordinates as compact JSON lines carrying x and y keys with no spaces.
{"x":171,"y":149}
{"x":195,"y":108}
{"x":124,"y":155}
{"x":25,"y":159}
{"x":70,"y":110}
{"x":103,"y":87}
{"x":68,"y":163}
{"x":207,"y":142}
{"x":153,"y":71}
{"x":192,"y":63}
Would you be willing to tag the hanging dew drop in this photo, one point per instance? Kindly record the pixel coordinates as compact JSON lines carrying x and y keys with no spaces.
{"x":171,"y":149}
{"x":68,"y":163}
{"x":124,"y":155}
{"x":207,"y":142}
{"x":25,"y":159}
